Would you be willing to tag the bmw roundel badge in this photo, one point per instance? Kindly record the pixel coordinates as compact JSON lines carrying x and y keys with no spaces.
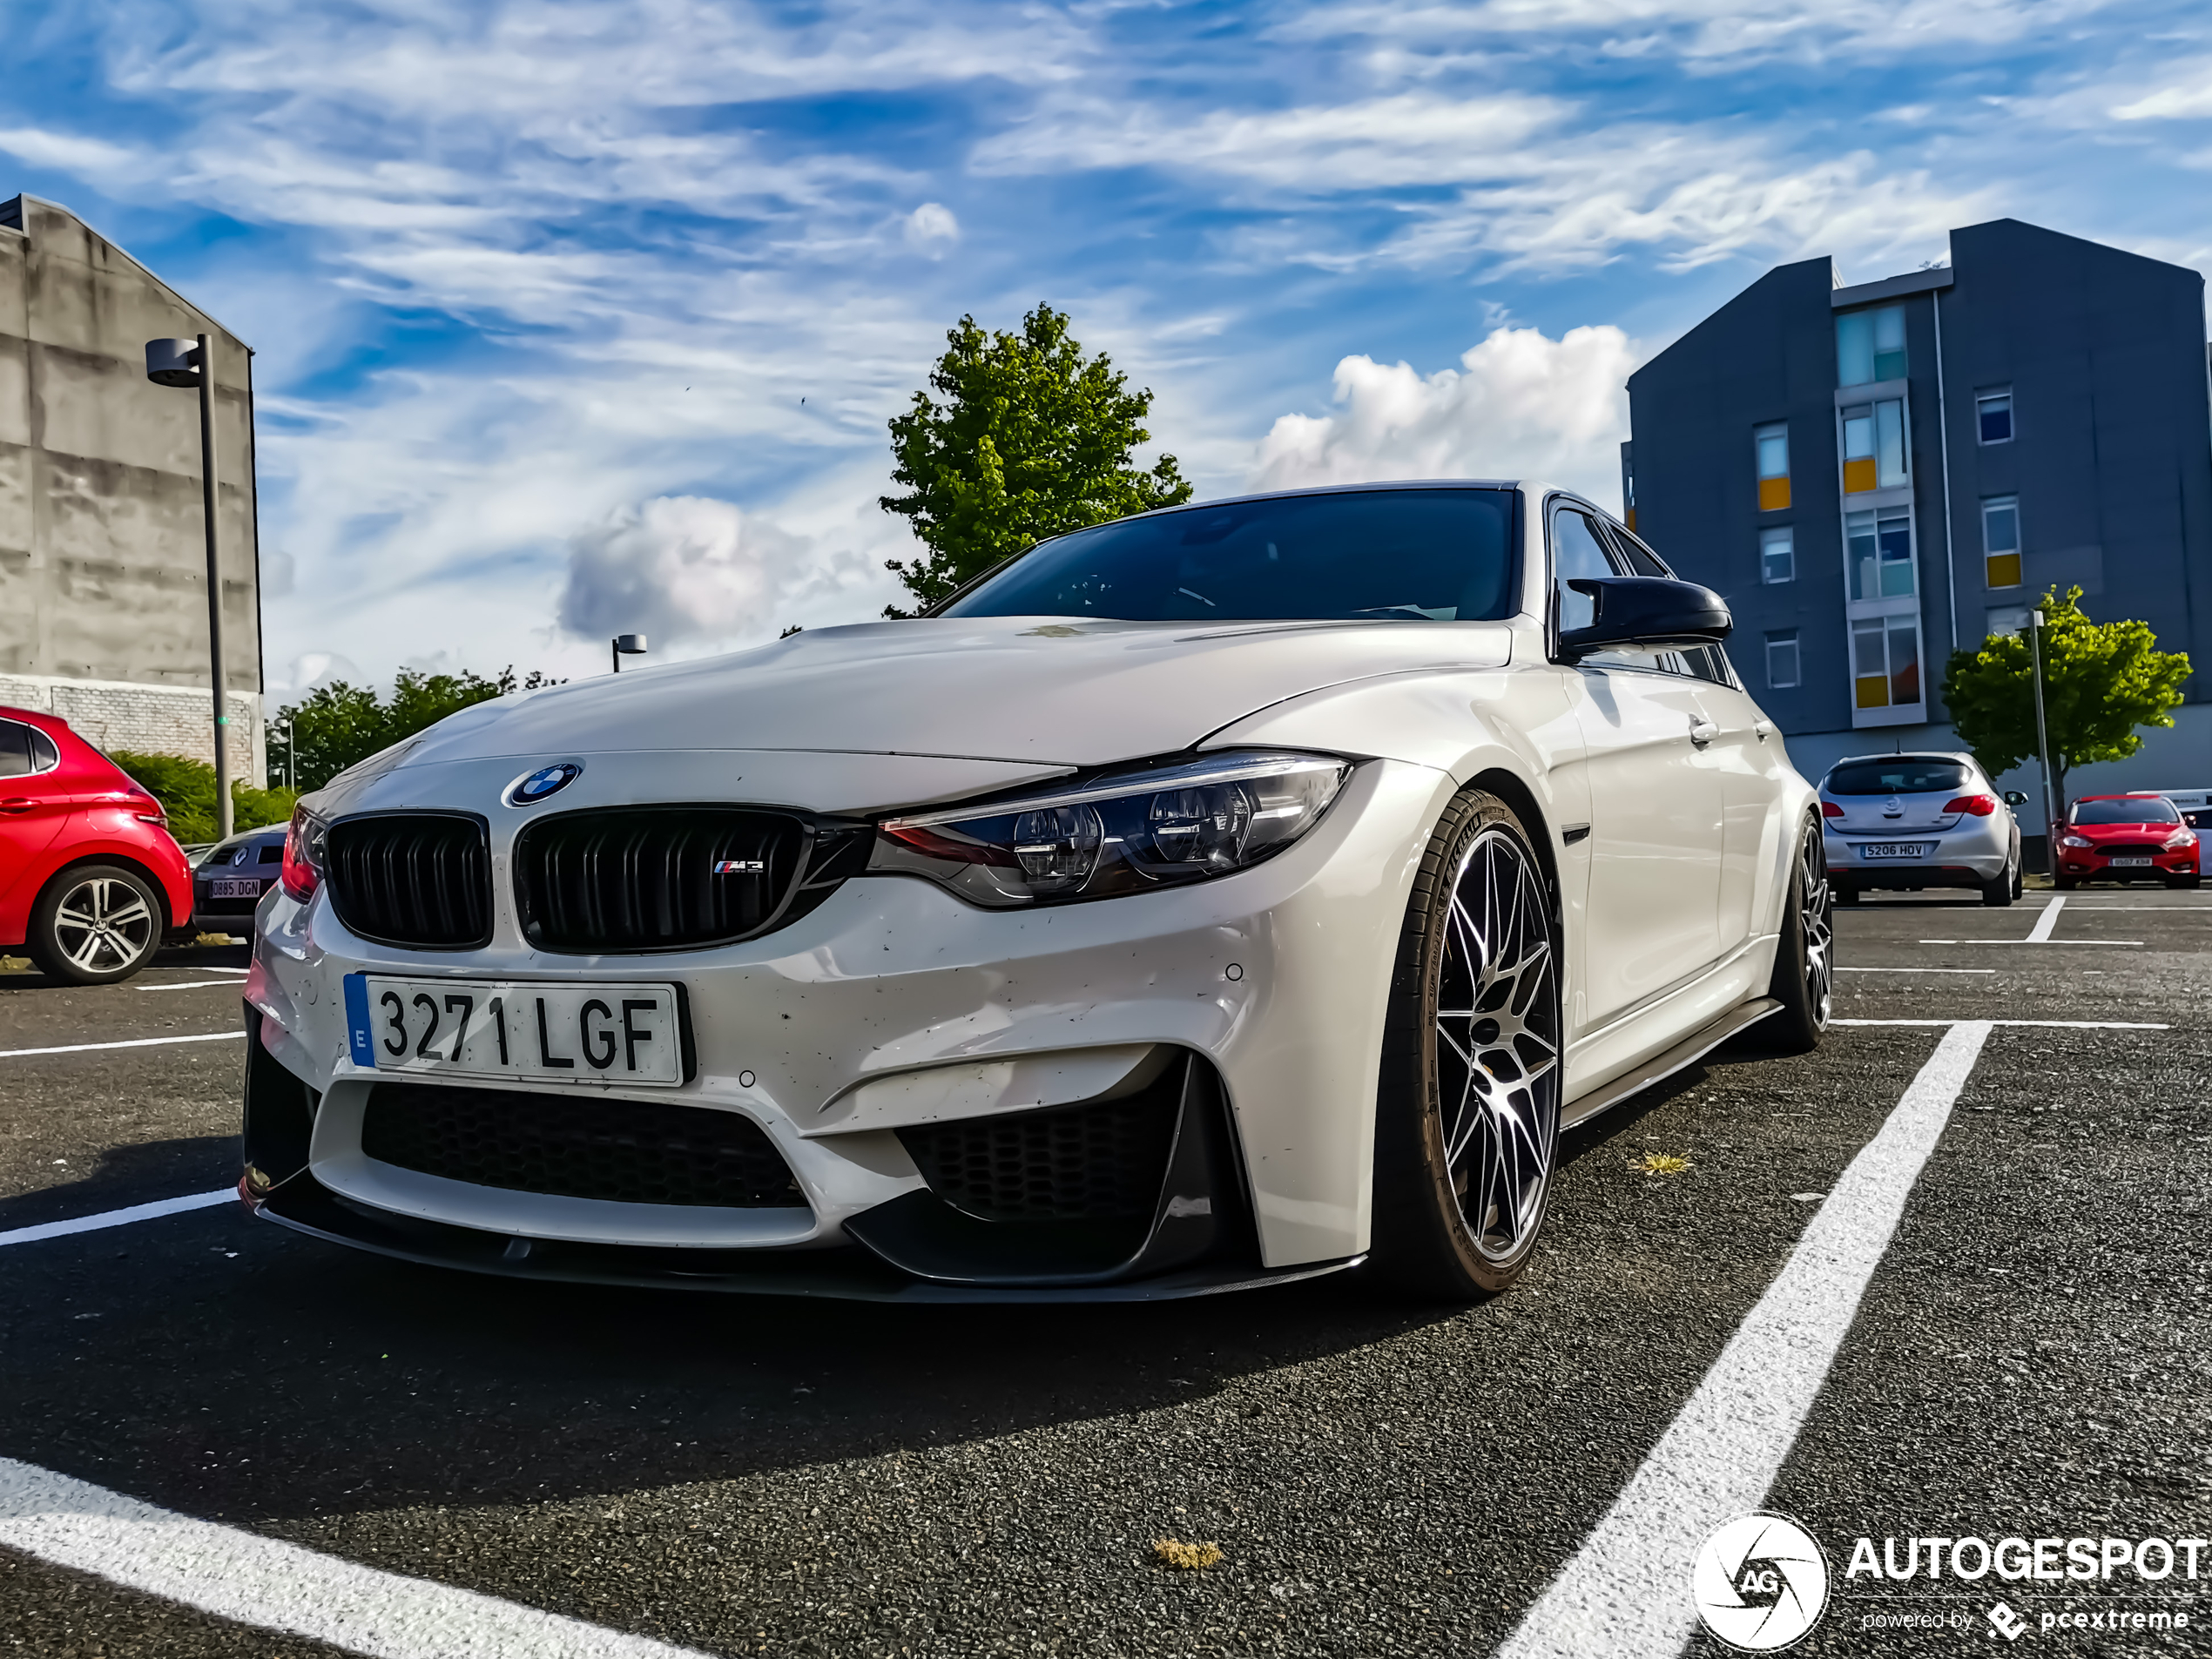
{"x":546,"y":780}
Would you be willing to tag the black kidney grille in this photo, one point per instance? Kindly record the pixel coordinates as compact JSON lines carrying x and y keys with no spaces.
{"x":1075,"y":1162}
{"x":573,"y":1146}
{"x":668,"y":878}
{"x":414,"y":878}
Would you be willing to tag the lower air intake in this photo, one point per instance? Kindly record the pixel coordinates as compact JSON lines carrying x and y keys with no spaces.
{"x":1072,"y":1163}
{"x":625,"y":1151}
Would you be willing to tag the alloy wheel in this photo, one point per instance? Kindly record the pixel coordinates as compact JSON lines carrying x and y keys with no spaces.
{"x":1497,"y":1045}
{"x":1819,"y":929}
{"x":102,"y":924}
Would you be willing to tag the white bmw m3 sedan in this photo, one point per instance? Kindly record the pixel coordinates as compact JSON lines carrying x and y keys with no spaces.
{"x":1226,"y":895}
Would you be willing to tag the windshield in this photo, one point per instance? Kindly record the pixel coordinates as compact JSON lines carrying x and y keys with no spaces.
{"x":1903,"y":776}
{"x":2143,"y":809}
{"x":1380,"y":555}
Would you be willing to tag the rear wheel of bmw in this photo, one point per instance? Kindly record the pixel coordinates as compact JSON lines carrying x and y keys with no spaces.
{"x":94,"y":925}
{"x":1804,"y":967}
{"x":1467,"y":1117}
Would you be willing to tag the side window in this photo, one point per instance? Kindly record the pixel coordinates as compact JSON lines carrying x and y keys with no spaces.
{"x":18,"y":755}
{"x":1577,"y":552}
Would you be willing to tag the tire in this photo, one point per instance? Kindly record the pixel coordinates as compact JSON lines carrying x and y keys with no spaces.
{"x":1466,"y":1110}
{"x":2001,"y":888}
{"x":1804,"y":967}
{"x":95,"y":924}
{"x":2066,"y":883}
{"x":2180,"y":882}
{"x":2019,"y":879}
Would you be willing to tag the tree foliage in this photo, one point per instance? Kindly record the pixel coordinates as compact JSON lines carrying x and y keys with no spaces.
{"x":336,"y":726}
{"x":186,"y":789}
{"x":2101,"y":681}
{"x":1031,"y":439}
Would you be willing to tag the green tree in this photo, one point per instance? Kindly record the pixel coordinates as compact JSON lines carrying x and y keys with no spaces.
{"x":2101,"y":681}
{"x":1031,"y":439}
{"x":337,"y":725}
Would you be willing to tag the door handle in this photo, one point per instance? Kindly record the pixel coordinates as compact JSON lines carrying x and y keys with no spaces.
{"x":1702,"y":732}
{"x":1764,"y":728}
{"x":17,"y":804}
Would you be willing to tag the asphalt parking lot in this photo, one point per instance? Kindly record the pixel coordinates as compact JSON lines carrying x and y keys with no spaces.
{"x":750,"y":1476}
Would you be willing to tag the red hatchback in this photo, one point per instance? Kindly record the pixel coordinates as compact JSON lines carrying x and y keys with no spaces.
{"x":90,"y":880}
{"x":2125,"y":838}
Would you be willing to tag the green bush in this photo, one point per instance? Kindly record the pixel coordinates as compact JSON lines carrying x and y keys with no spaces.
{"x":186,"y":791}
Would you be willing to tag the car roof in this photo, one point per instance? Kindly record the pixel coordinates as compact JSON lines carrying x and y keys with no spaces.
{"x":2131,"y":795}
{"x":1339,"y":490}
{"x":49,"y":724}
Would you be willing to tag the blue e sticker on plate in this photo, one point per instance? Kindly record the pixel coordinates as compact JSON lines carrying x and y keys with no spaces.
{"x":364,"y":1050}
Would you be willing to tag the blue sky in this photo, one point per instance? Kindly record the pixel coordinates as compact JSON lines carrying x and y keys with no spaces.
{"x":536,"y":289}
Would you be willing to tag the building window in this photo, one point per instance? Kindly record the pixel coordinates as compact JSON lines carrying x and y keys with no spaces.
{"x":2009,"y":619}
{"x":1781,"y":659}
{"x":1869,"y":346}
{"x":1874,"y":446}
{"x":2001,"y":540}
{"x":1885,"y":662}
{"x":1877,"y":552}
{"x":1779,"y":555}
{"x":1772,"y":444}
{"x":1993,"y":414}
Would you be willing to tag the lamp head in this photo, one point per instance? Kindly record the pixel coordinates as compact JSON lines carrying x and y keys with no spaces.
{"x":630,"y":644}
{"x":173,"y":362}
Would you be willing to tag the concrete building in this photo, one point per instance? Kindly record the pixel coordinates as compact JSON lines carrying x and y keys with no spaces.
{"x":1876,"y":474}
{"x":102,"y":562}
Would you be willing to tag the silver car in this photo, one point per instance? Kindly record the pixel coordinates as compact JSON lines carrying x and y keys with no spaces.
{"x":1910,"y":821}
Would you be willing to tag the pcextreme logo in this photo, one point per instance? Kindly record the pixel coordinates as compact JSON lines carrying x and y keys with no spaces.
{"x":1760,"y":1582}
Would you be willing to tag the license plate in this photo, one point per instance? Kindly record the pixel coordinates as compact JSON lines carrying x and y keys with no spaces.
{"x":1892,"y":849}
{"x":233,"y":888}
{"x":2129,"y":864}
{"x":603,"y":1033}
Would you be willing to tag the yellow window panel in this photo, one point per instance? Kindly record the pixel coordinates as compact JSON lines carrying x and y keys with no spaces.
{"x":1632,"y":518}
{"x":2004,"y":569}
{"x":1859,"y":475}
{"x":1774,"y":495}
{"x":1873,"y":691}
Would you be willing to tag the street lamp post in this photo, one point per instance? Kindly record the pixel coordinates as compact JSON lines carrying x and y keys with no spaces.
{"x":2043,"y":741}
{"x":626,"y":645}
{"x":185,"y":362}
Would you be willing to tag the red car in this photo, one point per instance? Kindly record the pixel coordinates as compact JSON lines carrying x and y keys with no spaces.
{"x":2125,"y":838}
{"x":90,"y":880}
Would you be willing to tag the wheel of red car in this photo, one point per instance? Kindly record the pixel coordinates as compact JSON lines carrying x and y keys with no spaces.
{"x":95,"y":924}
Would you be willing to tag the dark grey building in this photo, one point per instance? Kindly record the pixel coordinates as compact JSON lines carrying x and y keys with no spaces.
{"x":1875,"y":474}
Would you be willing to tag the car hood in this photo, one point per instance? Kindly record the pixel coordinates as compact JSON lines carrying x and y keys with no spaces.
{"x":1036,"y":689}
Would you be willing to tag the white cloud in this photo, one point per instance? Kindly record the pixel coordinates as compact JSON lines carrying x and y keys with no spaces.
{"x":1521,"y":405}
{"x":676,"y":568}
{"x":931,"y":229}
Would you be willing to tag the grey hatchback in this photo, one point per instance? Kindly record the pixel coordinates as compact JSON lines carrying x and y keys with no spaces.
{"x":1910,"y":821}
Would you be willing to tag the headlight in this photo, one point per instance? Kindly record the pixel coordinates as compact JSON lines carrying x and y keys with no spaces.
{"x":2075,"y":841}
{"x":1132,"y":831}
{"x":302,"y":871}
{"x":2181,"y":838}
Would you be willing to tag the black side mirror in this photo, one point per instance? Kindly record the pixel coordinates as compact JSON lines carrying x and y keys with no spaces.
{"x":1647,"y":613}
{"x":2016,"y":798}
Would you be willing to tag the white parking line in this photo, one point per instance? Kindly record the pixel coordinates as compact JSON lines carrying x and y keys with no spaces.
{"x":1626,"y":1593}
{"x":153,"y":1211}
{"x":128,"y":1043}
{"x":260,"y":1581}
{"x":2060,"y":1025}
{"x":1916,"y":970}
{"x":2031,"y":941}
{"x":189,"y":984}
{"x":2041,"y":933}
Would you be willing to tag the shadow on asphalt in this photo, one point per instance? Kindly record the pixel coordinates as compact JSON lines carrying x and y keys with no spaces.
{"x":126,"y":1175}
{"x":28,"y":978}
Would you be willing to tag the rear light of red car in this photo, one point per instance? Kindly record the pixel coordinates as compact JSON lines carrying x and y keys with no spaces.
{"x":302,"y":869}
{"x":1829,"y":809}
{"x":1979,"y":806}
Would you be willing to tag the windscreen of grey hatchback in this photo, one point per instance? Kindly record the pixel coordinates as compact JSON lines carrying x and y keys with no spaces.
{"x":1379,"y":555}
{"x":1899,"y":777}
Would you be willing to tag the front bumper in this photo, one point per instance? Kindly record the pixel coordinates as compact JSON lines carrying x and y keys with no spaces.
{"x":2089,"y":865}
{"x":896,"y":1005}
